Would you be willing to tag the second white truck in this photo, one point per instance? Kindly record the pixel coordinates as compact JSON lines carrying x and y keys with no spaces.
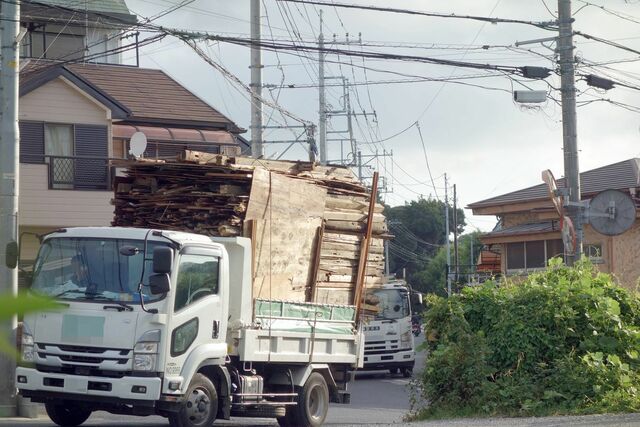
{"x":389,"y":341}
{"x":164,"y":322}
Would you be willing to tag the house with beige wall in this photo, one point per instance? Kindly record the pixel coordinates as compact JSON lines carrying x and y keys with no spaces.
{"x":77,"y":119}
{"x":528,"y":231}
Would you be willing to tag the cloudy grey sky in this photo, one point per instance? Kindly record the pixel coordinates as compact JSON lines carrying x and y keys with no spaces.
{"x":487,"y":144}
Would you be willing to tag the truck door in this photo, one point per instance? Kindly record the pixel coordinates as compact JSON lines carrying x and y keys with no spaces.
{"x":199,"y":312}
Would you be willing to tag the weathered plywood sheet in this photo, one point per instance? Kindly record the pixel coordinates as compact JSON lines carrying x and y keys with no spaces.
{"x":287,"y":213}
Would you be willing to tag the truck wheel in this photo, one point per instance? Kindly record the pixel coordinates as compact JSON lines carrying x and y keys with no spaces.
{"x":200,"y":406}
{"x":313,"y":404}
{"x":407,"y":372}
{"x":66,"y":415}
{"x":393,"y":371}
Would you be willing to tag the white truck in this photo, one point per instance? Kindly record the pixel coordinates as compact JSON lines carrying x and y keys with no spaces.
{"x":164,"y":322}
{"x":389,"y":341}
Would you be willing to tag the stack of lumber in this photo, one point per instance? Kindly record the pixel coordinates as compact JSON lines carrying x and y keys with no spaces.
{"x":306,"y":221}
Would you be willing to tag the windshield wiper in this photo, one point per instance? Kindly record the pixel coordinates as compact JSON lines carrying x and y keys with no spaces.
{"x":68,"y":291}
{"x":120,"y":307}
{"x":98,"y":296}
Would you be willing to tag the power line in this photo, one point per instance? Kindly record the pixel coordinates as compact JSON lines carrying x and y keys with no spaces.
{"x":543,"y":25}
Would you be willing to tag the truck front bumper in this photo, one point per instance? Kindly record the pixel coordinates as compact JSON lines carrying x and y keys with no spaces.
{"x":31,"y":381}
{"x":398,"y":359}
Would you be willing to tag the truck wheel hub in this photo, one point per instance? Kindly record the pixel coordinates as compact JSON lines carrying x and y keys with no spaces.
{"x":198,"y":405}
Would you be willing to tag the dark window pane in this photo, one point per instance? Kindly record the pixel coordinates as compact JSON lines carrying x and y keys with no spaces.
{"x":555,"y":248}
{"x":535,"y":254}
{"x":593,"y":250}
{"x":515,"y":256}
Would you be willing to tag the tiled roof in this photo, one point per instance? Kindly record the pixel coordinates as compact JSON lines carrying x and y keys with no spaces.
{"x":525,"y":229}
{"x":112,"y":12}
{"x":621,"y":175}
{"x":147,"y":95}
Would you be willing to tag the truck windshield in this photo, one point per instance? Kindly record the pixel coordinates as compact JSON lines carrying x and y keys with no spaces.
{"x":92,"y":269}
{"x":393,"y":303}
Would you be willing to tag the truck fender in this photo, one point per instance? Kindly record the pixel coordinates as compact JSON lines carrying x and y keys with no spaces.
{"x":212,"y":353}
{"x":300,"y":375}
{"x":219,"y":375}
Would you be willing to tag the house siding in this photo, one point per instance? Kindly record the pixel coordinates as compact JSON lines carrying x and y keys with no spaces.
{"x":59,"y":102}
{"x":42,"y":207}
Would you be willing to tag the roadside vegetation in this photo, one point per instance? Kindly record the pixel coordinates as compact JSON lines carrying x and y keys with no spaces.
{"x":564,"y":341}
{"x":17,"y":305}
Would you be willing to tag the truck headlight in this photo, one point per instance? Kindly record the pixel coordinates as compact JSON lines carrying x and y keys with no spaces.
{"x":27,"y":345}
{"x":145,"y":352}
{"x":28,"y":355}
{"x":405,"y":340}
{"x":144,"y":362}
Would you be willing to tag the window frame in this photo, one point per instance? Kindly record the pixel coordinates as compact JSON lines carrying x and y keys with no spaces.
{"x":196,"y":251}
{"x":527,"y":269}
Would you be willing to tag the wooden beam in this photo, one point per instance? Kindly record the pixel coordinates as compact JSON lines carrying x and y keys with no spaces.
{"x":316,"y":264}
{"x":360,"y":282}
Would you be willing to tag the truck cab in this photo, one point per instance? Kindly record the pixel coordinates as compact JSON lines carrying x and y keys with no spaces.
{"x":389,"y":342}
{"x":163,"y":322}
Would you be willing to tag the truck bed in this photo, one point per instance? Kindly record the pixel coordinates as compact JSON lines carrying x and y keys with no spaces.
{"x":295,"y":332}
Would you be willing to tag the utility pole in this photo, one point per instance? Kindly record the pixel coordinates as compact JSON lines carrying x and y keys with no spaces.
{"x":446,"y":233}
{"x":322,"y":121}
{"x":569,"y":120}
{"x":359,"y":166}
{"x":472,"y":264}
{"x":9,"y":174}
{"x":455,"y":232}
{"x":256,"y":82}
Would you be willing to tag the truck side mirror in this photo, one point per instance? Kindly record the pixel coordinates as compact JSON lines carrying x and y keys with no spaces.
{"x":159,"y":283}
{"x":11,"y":255}
{"x":162,"y":260}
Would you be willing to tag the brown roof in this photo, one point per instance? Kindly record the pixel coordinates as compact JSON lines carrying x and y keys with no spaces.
{"x":621,"y":175}
{"x":525,"y":229}
{"x":146,"y":95}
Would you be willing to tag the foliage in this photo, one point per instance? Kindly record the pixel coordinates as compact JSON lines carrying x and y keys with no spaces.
{"x":419,"y":228}
{"x":12,"y":305}
{"x":564,"y":341}
{"x":433,"y":278}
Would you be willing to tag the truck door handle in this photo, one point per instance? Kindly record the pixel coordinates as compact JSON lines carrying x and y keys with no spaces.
{"x":216,"y":329}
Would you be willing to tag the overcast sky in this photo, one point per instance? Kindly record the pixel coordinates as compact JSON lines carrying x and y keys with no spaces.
{"x":486,"y":144}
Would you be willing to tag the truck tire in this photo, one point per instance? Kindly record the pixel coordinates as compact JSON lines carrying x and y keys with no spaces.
{"x":313,"y":404}
{"x":67,"y":414}
{"x":393,"y":371}
{"x":200,"y":406}
{"x":407,"y":372}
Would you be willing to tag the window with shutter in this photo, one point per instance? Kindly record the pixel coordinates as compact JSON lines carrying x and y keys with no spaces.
{"x":92,"y":173}
{"x":31,"y":142}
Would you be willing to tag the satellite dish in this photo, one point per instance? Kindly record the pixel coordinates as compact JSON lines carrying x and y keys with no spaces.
{"x":138,"y":144}
{"x":612,"y":212}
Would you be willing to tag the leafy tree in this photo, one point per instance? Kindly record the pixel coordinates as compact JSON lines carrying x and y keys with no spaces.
{"x":433,"y":278}
{"x":419,"y":230}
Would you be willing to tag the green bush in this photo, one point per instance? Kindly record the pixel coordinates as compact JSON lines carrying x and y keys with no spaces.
{"x":564,"y":341}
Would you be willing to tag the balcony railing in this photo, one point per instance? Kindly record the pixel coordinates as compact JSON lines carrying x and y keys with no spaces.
{"x":79,"y":172}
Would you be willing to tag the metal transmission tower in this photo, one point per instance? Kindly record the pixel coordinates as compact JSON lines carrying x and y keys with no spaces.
{"x":345,"y":110}
{"x":9,"y":185}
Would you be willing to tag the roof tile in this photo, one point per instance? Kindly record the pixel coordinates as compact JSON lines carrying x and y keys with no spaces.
{"x":621,"y":175}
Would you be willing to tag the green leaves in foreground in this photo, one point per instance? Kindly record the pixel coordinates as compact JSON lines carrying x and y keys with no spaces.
{"x":564,"y":341}
{"x":12,"y":305}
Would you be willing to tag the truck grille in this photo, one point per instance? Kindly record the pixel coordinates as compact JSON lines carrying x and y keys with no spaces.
{"x":381,"y":347}
{"x":82,"y":360}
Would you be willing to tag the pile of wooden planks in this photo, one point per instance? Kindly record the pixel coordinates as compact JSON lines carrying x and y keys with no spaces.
{"x":306,"y":221}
